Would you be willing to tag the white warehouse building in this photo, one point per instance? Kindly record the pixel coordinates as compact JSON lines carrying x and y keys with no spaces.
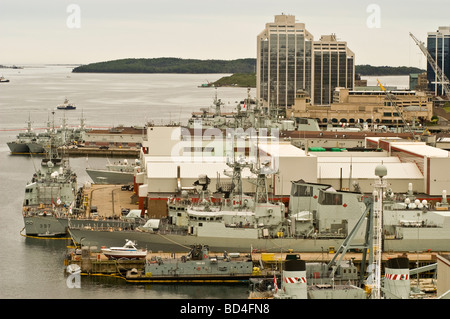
{"x":173,"y":161}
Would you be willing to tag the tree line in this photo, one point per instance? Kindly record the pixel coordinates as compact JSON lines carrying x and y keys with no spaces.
{"x":170,"y":65}
{"x":243,"y":66}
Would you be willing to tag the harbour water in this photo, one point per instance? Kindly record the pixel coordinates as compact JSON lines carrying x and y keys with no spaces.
{"x":33,"y":268}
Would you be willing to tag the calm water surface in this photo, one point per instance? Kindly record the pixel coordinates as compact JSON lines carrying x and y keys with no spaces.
{"x":34,"y":268}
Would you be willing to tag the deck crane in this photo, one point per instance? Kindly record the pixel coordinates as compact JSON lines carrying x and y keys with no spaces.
{"x":442,"y":79}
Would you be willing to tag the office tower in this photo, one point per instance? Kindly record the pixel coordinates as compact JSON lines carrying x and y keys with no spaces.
{"x":290,"y":61}
{"x":438,"y":44}
{"x":334,"y":66}
{"x":284,"y":60}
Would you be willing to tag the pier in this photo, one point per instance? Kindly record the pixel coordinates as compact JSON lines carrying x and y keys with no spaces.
{"x":108,"y":201}
{"x":266,"y":265}
{"x":95,"y":151}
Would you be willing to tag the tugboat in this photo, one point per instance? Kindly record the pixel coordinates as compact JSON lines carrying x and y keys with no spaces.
{"x":66,"y":106}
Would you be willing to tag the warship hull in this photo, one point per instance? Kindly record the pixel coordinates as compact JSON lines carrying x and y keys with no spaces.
{"x":18,"y":148}
{"x":46,"y":226}
{"x":110,"y":177}
{"x":182,"y":243}
{"x":420,"y":239}
{"x":36,"y":148}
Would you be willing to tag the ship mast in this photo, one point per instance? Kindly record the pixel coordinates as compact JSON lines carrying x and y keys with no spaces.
{"x":236,"y":176}
{"x":377,"y":249}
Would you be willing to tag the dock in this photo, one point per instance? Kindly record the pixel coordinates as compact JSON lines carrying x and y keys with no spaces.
{"x":265,"y":265}
{"x":109,"y":200}
{"x":95,"y":151}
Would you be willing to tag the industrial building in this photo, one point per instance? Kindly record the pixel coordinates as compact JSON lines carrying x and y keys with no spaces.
{"x":169,"y":166}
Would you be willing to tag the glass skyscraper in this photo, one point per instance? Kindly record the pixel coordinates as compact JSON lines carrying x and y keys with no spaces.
{"x":284,"y":61}
{"x":333,"y":67}
{"x":438,"y":44}
{"x":289,"y":60}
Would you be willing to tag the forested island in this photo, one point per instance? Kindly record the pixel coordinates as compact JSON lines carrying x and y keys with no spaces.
{"x":243,"y":70}
{"x":368,"y":70}
{"x":170,"y":65}
{"x":178,"y":65}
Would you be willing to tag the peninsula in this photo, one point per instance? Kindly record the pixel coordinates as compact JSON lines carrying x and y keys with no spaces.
{"x":170,"y":65}
{"x":243,"y":71}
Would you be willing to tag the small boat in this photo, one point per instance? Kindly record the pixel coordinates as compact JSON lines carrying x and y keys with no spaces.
{"x":66,"y":106}
{"x":129,"y":251}
{"x":3,"y":80}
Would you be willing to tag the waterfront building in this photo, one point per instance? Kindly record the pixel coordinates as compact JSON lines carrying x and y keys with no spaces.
{"x":351,"y":107}
{"x":284,"y":61}
{"x":418,"y":81}
{"x":169,"y":167}
{"x":438,"y":44}
{"x":334,"y":66}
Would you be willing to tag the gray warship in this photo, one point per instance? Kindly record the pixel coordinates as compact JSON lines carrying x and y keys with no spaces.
{"x":20,"y":144}
{"x":51,"y":194}
{"x":114,"y":173}
{"x":249,"y":114}
{"x":38,"y":143}
{"x":199,"y":265}
{"x":235,"y":223}
{"x":53,"y":200}
{"x":318,"y":217}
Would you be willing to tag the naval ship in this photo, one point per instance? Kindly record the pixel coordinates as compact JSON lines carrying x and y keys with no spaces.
{"x":51,"y":194}
{"x":318,"y":217}
{"x":235,"y":223}
{"x":31,"y":142}
{"x":114,"y":173}
{"x":199,"y":265}
{"x":249,"y":114}
{"x":53,"y":200}
{"x":20,"y":144}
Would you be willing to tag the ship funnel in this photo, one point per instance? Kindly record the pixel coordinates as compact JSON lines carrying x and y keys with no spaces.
{"x":396,"y":278}
{"x":294,"y":279}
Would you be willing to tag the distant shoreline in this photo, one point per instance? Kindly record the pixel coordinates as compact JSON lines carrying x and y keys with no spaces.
{"x":196,"y":66}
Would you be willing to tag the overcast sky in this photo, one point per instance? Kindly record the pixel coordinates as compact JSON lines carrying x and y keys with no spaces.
{"x":86,"y":31}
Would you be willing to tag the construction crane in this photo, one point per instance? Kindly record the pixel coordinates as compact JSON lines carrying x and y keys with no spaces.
{"x":442,"y":79}
{"x":394,"y":104}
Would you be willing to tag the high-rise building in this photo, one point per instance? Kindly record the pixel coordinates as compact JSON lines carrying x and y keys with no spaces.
{"x":289,"y":61}
{"x":284,"y":60}
{"x":438,"y":44}
{"x":334,"y":66}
